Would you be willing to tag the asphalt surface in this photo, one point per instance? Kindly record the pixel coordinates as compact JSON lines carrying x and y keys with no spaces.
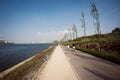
{"x":89,"y":67}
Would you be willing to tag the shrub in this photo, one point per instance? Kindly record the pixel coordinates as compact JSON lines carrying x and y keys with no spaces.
{"x":111,"y":56}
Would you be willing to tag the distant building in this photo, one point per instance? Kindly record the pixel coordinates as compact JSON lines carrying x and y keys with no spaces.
{"x":3,"y":41}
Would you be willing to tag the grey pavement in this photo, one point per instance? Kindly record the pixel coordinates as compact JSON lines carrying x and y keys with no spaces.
{"x":89,"y":67}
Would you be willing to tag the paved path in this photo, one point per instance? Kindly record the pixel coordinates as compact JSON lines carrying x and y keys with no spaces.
{"x":89,"y":67}
{"x":57,"y":68}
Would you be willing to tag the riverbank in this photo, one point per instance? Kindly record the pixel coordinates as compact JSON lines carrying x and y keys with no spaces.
{"x":27,"y":68}
{"x":12,"y":54}
{"x":14,"y":67}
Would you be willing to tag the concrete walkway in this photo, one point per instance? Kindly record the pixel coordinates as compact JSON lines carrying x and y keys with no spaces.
{"x":57,"y":68}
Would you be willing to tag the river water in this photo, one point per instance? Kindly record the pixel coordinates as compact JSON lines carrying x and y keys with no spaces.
{"x":12,"y":54}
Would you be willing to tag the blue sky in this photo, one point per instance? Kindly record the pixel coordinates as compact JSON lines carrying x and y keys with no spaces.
{"x":27,"y":21}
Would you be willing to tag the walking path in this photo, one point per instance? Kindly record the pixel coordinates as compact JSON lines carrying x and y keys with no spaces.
{"x":57,"y":68}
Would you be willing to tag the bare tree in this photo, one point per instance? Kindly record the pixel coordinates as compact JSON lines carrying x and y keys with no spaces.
{"x":74,"y":31}
{"x":94,"y":13}
{"x":83,"y":23}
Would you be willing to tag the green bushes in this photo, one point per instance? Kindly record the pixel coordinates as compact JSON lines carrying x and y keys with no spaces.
{"x":106,"y":46}
{"x":111,"y":56}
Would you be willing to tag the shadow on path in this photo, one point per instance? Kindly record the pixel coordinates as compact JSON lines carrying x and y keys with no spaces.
{"x":103,"y":76}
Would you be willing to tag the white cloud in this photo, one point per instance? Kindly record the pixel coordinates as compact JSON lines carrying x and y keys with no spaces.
{"x":49,"y":36}
{"x":66,"y":31}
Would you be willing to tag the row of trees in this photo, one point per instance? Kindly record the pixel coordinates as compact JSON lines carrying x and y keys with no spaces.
{"x":72,"y":33}
{"x":95,"y":15}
